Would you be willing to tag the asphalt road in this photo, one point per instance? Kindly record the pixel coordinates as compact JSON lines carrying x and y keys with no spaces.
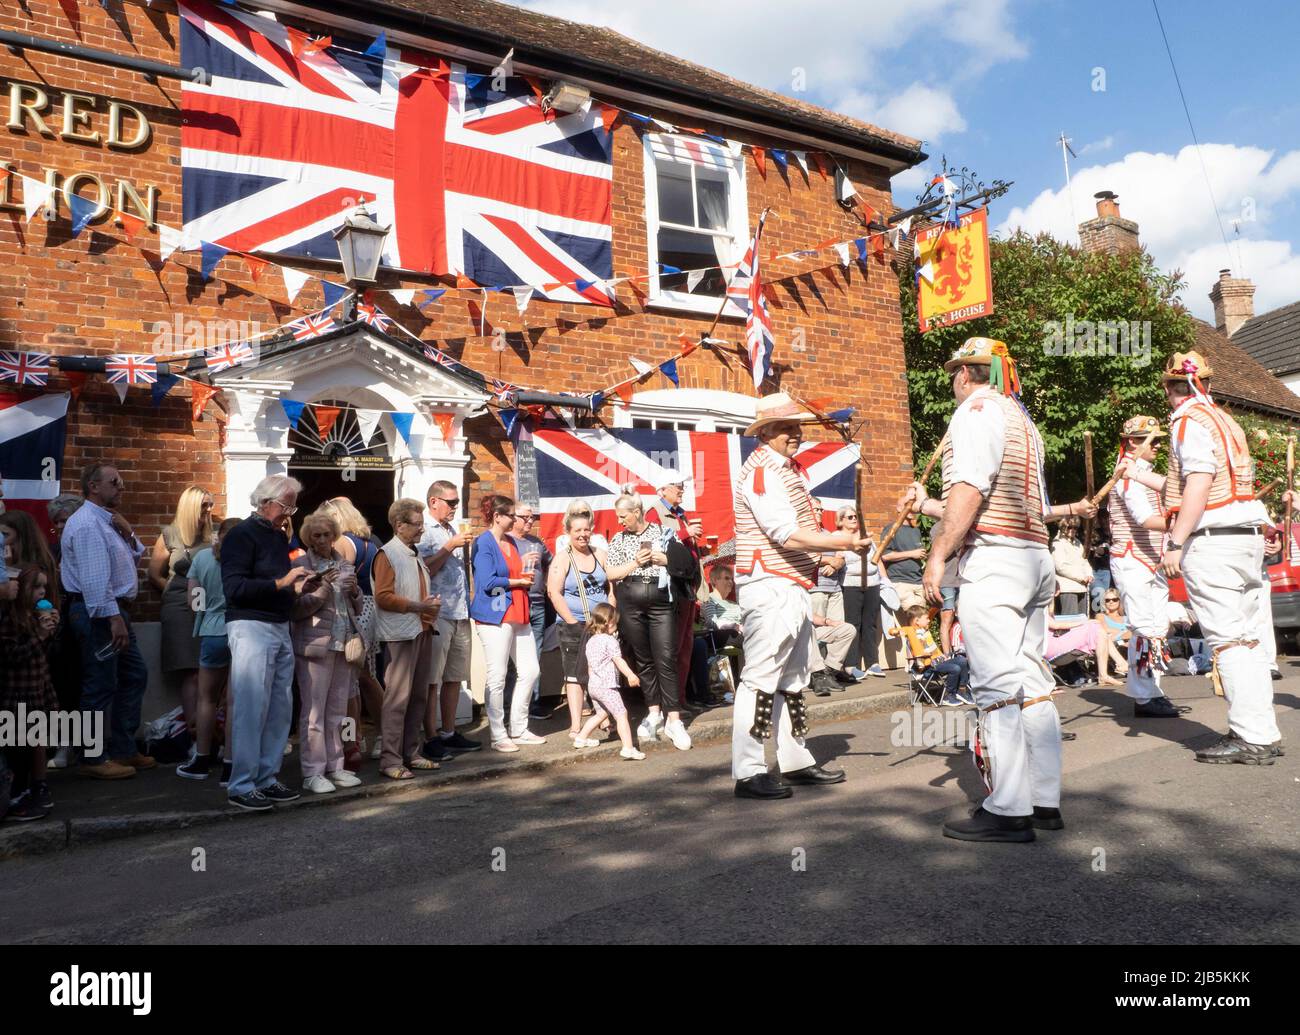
{"x":1157,"y":848}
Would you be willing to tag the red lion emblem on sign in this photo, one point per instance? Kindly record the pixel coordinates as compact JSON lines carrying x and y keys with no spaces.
{"x":952,"y":269}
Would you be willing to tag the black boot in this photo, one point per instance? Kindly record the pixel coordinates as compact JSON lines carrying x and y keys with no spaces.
{"x":814,"y":774}
{"x":985,"y":826}
{"x":1156,"y":708}
{"x":1231,"y":748}
{"x":822,"y":684}
{"x":1047,"y":819}
{"x":764,"y":786}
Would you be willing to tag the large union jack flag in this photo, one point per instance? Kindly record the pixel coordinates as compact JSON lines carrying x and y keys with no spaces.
{"x":276,"y":146}
{"x":25,"y":368}
{"x":592,"y":464}
{"x":228,"y":354}
{"x":746,"y":291}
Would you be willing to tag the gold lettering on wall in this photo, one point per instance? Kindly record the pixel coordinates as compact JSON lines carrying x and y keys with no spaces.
{"x":37,"y":101}
{"x":72,"y":184}
{"x":146,"y":209}
{"x":7,"y":202}
{"x":75,"y":118}
{"x":143,"y":131}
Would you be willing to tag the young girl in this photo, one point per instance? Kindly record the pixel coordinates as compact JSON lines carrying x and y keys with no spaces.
{"x":26,"y":628}
{"x":604,"y":662}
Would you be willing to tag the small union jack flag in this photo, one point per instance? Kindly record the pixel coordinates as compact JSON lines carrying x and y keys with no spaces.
{"x":25,"y":368}
{"x":440,"y":357}
{"x":223,"y":357}
{"x":371,"y":315}
{"x":310,"y":326}
{"x":131,"y":369}
{"x":501,"y":388}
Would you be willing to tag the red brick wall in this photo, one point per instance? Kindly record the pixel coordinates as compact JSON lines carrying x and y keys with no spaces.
{"x":94,"y":294}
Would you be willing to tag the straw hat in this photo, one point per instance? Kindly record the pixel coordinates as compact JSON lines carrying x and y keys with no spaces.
{"x":976,"y":350}
{"x":1141,"y":426}
{"x":778,"y":407}
{"x":1181,"y":365}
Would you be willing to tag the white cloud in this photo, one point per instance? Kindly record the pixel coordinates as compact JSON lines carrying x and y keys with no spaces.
{"x":842,"y":54}
{"x":1166,"y":195}
{"x":1092,"y":147}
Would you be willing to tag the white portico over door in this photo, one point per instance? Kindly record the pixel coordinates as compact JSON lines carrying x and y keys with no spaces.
{"x":353,"y":367}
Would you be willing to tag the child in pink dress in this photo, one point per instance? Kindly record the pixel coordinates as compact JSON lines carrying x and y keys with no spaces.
{"x":604,"y":663}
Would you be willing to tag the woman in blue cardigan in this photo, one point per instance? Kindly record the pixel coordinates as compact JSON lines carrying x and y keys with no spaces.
{"x":499,"y":608}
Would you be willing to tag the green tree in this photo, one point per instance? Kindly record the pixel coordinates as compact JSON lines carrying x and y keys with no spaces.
{"x":1039,"y":286}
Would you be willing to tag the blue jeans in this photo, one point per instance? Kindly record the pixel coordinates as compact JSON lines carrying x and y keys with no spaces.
{"x":955,"y":671}
{"x":114,"y":687}
{"x":537,"y":619}
{"x":261,"y":702}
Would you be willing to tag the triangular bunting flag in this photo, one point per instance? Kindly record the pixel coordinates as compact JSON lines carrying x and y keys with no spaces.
{"x":293,"y":410}
{"x":841,"y":416}
{"x":624,"y":392}
{"x":211,"y":255}
{"x":121,"y":388}
{"x":159,"y":389}
{"x":256,"y":267}
{"x":36,"y":196}
{"x":402,"y":422}
{"x":878,"y":247}
{"x":667,"y":270}
{"x":861,"y":245}
{"x":608,"y":116}
{"x":76,"y":382}
{"x":378,"y":47}
{"x":926,"y":273}
{"x":801,"y":160}
{"x":431,"y":295}
{"x":669,"y":369}
{"x":367,"y":421}
{"x":508,"y":417}
{"x":169,"y":240}
{"x":445,"y":422}
{"x":403,"y":296}
{"x":83,"y":212}
{"x":293,"y":281}
{"x":326,"y":418}
{"x":693,"y":280}
{"x":688,"y":344}
{"x":820,"y":162}
{"x":842,"y":250}
{"x":464,"y":283}
{"x":847,"y":190}
{"x":782,"y":162}
{"x":760,"y":160}
{"x":131,"y":224}
{"x":334,"y":293}
{"x":640,"y":365}
{"x":905,"y":226}
{"x":523,"y":295}
{"x":199,"y":396}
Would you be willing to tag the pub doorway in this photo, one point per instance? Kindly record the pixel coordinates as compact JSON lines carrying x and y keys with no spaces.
{"x":349,"y":460}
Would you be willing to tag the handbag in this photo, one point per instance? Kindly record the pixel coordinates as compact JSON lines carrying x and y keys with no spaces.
{"x":354,"y":650}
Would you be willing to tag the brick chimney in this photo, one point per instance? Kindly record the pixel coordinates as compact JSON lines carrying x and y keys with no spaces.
{"x":1109,"y":232}
{"x":1234,"y":302}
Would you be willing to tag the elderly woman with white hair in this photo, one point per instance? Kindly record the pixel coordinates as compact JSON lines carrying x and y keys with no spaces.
{"x":261,"y":588}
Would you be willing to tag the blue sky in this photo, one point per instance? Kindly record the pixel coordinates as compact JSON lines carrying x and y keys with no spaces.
{"x":992,"y":83}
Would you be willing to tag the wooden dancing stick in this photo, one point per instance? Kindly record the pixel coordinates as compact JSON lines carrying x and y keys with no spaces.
{"x":1267,"y":489}
{"x":1090,"y":525}
{"x":906,"y":508}
{"x":1290,"y":486}
{"x":1110,"y":484}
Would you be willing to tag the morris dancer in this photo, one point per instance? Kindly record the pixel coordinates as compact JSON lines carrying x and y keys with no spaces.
{"x":776,"y":530}
{"x":1216,"y":543}
{"x":993,"y":510}
{"x":1136,"y":523}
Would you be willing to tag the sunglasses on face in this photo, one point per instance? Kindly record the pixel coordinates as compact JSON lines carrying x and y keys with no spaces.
{"x":453,"y":502}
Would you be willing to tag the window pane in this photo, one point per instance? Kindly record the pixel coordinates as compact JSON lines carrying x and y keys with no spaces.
{"x":712,"y":193}
{"x":688,"y":251}
{"x":675,"y":203}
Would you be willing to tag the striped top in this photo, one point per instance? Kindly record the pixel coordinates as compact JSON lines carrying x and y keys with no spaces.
{"x":1126,"y":533}
{"x":756,"y":554}
{"x":1234,"y":468}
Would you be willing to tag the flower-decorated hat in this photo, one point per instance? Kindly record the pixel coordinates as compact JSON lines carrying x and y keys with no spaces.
{"x":1141,"y":426}
{"x":1185,"y":365}
{"x":991,"y":353}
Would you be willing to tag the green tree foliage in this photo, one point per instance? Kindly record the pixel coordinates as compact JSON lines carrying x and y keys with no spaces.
{"x":1039,"y":284}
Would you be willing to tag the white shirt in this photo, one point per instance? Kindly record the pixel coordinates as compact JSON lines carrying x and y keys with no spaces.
{"x":1196,"y":456}
{"x":1136,"y":496}
{"x":978,"y":434}
{"x":853,"y":570}
{"x":97,"y":562}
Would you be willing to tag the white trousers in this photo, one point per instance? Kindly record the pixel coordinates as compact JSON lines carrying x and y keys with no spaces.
{"x":1267,"y":637}
{"x":501,"y":643}
{"x":1002,"y":607}
{"x":1224,"y":584}
{"x":776,"y":616}
{"x":1145,"y":595}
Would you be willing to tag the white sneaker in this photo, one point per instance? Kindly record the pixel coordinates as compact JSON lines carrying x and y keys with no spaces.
{"x":318,"y":785}
{"x":649,"y":728}
{"x":61,"y":760}
{"x":585,"y":742}
{"x":676,"y":732}
{"x":632,"y":755}
{"x":378,"y":749}
{"x":528,"y":737}
{"x":343,"y":778}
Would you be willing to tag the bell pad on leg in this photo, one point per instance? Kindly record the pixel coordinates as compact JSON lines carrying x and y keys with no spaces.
{"x":762,"y":728}
{"x":798,"y":712}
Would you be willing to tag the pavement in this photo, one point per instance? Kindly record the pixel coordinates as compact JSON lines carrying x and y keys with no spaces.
{"x":1157,"y":849}
{"x":88,"y":811}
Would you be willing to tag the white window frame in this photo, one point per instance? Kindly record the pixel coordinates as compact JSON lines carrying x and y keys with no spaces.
{"x":737,"y":225}
{"x":689,"y":409}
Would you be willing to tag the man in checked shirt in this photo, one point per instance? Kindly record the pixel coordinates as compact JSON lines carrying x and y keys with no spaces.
{"x":100,"y":576}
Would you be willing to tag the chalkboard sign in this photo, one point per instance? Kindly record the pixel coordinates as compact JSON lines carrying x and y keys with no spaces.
{"x":526,"y":489}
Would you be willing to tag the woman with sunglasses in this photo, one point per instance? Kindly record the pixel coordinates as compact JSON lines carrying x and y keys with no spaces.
{"x":1114,"y":632}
